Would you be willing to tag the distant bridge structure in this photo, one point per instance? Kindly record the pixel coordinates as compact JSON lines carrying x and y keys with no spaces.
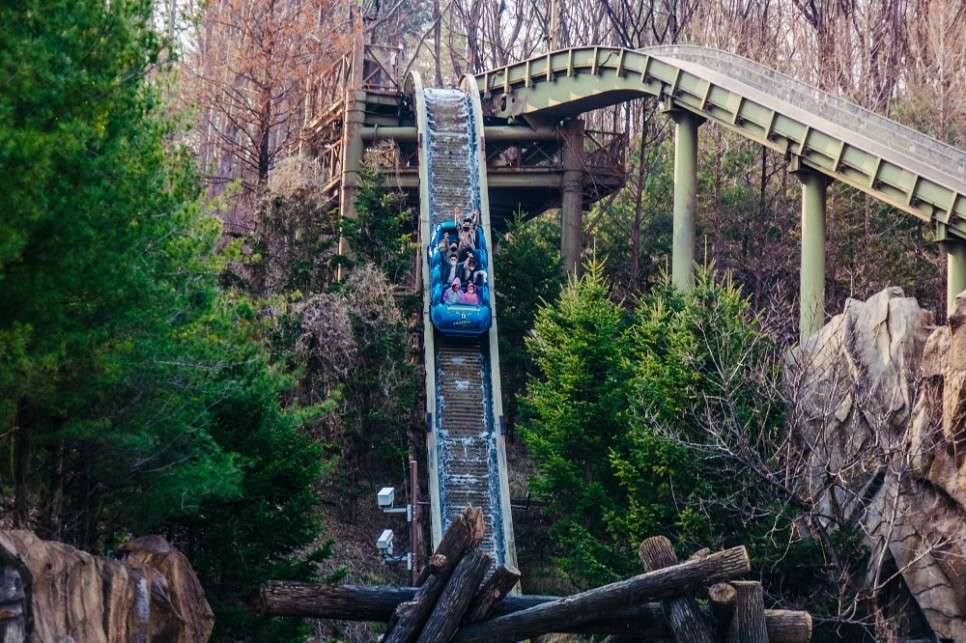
{"x":532,"y":152}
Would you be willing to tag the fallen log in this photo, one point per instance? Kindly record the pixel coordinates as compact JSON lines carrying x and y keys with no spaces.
{"x":377,"y":603}
{"x":682,"y":613}
{"x":343,"y":602}
{"x":456,"y":598}
{"x":499,"y":585}
{"x":583,"y":607}
{"x":409,"y":618}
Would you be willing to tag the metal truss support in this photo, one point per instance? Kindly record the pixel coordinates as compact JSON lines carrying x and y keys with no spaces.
{"x":955,"y":271}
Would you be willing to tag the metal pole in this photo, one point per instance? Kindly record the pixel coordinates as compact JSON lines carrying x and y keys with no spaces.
{"x":812,"y":292}
{"x":955,"y":272}
{"x":685,"y":196}
{"x":413,"y":521}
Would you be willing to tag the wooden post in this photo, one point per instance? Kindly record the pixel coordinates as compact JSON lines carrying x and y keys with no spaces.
{"x":499,"y":585}
{"x":414,"y":544}
{"x":409,"y":617}
{"x":682,"y":613}
{"x":722,"y":598}
{"x":559,"y":615}
{"x":456,"y":598}
{"x":750,"y":612}
{"x":787,"y":626}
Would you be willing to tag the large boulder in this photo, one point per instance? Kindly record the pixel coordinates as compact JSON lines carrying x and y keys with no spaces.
{"x":852,"y":384}
{"x":149,"y":594}
{"x":878,"y":400}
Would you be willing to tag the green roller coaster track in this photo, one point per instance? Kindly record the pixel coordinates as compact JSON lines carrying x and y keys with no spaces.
{"x":901,"y":172}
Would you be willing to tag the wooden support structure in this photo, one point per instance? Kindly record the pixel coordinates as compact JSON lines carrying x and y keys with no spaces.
{"x":453,"y":603}
{"x":376,"y":603}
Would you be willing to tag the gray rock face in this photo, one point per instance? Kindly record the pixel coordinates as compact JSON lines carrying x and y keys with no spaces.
{"x":879,"y":399}
{"x":152,"y":594}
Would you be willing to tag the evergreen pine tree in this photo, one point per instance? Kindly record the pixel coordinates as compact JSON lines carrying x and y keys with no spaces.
{"x":573,"y":415}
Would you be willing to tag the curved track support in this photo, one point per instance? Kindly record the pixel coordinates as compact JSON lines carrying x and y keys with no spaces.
{"x":819,"y":132}
{"x":931,"y":186}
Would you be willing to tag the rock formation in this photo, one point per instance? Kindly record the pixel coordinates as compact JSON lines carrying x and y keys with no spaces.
{"x":149,"y":594}
{"x":879,"y":397}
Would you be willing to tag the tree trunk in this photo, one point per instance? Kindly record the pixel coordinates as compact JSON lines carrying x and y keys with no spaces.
{"x":681,"y":613}
{"x":409,"y":618}
{"x":23,"y":448}
{"x":456,"y":598}
{"x":465,"y":533}
{"x":750,"y":612}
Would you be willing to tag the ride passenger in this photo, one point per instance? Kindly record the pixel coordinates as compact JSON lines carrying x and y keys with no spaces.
{"x":453,"y":269}
{"x":471,"y":273}
{"x":470,"y":297}
{"x":453,"y":251}
{"x":454,"y":294}
{"x":467,"y":230}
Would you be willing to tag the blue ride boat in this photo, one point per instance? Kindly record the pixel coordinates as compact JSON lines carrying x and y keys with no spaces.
{"x":458,"y":319}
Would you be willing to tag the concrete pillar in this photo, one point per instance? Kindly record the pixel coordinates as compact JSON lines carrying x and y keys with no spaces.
{"x":812,"y":293}
{"x":685,"y":196}
{"x":955,"y":271}
{"x":572,"y":206}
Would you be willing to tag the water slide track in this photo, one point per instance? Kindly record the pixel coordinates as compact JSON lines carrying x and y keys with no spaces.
{"x":466,"y":449}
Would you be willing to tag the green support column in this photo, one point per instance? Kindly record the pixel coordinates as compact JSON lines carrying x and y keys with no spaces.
{"x":572,"y":204}
{"x":352,"y":151}
{"x":685,"y":196}
{"x":812,"y":293}
{"x":955,"y":271}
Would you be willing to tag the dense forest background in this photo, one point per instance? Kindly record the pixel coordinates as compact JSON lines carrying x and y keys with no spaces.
{"x":184,"y":350}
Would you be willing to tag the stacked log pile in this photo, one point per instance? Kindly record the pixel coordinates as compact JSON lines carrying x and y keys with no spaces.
{"x":452,"y":603}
